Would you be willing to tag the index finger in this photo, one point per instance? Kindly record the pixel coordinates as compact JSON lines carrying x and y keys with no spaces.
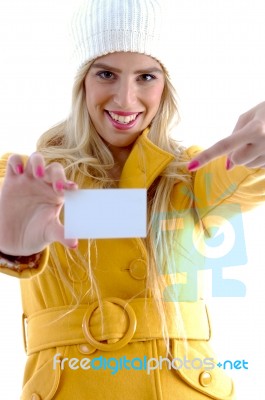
{"x":15,"y":165}
{"x":223,"y":146}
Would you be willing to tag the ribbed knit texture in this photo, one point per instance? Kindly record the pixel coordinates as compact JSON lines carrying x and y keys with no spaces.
{"x":99,"y":27}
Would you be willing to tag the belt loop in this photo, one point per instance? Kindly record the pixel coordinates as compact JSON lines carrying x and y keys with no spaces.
{"x":24,"y":331}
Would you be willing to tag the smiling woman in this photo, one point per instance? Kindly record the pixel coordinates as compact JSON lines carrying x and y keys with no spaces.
{"x":123,"y":94}
{"x":126,"y":299}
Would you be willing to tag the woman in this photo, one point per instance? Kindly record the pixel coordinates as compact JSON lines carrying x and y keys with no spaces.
{"x":117,"y":318}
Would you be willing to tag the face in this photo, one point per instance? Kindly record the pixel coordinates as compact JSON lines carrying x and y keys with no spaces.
{"x":123,"y":93}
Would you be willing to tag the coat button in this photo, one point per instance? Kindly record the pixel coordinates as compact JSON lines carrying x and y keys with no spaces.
{"x":138,"y":269}
{"x":205,"y":378}
{"x":86,"y":348}
{"x":35,"y":396}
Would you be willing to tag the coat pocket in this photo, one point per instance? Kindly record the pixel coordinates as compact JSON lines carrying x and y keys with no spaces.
{"x":197,"y":366}
{"x":42,"y":375}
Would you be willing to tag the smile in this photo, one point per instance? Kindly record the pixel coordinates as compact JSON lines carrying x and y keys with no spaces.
{"x":123,"y":119}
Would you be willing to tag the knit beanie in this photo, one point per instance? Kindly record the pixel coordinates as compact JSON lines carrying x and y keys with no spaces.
{"x":99,"y":27}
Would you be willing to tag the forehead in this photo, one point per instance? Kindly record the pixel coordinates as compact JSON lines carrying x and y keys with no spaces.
{"x":128,"y":60}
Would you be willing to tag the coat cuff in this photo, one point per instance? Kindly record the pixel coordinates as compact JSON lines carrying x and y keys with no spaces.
{"x":26,"y":267}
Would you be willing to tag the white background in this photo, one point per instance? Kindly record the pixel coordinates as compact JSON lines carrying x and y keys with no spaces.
{"x":218,"y":49}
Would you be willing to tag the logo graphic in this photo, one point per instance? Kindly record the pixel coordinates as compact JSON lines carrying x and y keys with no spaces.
{"x":215,"y":242}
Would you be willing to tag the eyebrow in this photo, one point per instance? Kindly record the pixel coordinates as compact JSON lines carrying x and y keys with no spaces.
{"x":140,"y":71}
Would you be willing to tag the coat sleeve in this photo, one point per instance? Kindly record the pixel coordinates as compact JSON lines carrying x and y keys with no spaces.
{"x":236,"y":190}
{"x":24,"y":268}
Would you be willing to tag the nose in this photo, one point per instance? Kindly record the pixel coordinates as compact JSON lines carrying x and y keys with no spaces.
{"x":125,"y":95}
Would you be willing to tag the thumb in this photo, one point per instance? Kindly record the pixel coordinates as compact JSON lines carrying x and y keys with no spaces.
{"x":55,"y":233}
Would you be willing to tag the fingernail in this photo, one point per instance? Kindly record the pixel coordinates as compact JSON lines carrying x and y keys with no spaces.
{"x":40,"y":171}
{"x":229,"y":164}
{"x":193,"y":165}
{"x":19,"y":169}
{"x":59,"y":185}
{"x":71,"y":184}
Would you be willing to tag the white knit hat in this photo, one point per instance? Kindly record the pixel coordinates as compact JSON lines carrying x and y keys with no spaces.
{"x":99,"y":27}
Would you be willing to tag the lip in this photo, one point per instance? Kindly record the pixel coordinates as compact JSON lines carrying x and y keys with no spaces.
{"x":124,"y":113}
{"x":119,"y":126}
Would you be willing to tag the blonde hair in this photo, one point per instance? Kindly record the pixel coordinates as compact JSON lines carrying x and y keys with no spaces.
{"x":76,"y":144}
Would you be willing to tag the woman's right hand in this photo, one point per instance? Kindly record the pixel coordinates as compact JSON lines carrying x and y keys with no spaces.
{"x":31,"y":199}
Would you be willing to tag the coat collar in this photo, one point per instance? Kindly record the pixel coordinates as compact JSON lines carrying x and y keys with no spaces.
{"x":144,"y":164}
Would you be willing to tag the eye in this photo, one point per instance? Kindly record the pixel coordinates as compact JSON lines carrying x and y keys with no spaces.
{"x":147,"y":77}
{"x":107,"y":75}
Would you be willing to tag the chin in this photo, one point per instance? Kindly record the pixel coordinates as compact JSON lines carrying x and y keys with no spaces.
{"x":123,"y":141}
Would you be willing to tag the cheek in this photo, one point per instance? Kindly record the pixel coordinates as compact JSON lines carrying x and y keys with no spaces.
{"x":93,"y":95}
{"x":154,"y":98}
{"x":92,"y":104}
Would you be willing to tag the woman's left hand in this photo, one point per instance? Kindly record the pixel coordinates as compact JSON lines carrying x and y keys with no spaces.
{"x":245,"y":146}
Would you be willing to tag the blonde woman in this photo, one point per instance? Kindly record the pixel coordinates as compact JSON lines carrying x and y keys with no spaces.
{"x":121,"y":318}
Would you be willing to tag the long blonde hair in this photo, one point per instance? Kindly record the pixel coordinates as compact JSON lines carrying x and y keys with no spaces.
{"x":76,"y":144}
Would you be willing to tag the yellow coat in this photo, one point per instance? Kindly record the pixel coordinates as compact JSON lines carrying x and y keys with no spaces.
{"x":73,"y":356}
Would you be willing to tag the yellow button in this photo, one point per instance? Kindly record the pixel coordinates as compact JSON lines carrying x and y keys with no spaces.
{"x":35,"y":396}
{"x":205,"y":378}
{"x":86,"y":348}
{"x":138,"y":269}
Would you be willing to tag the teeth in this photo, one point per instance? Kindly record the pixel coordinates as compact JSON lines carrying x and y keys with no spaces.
{"x":121,"y":118}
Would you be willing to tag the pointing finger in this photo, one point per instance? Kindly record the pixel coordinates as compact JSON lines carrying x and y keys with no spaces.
{"x":224,"y":146}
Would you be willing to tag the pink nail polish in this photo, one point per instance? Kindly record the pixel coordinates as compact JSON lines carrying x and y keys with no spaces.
{"x":193,"y":165}
{"x":19,"y":169}
{"x":70,"y":183}
{"x":59,"y":185}
{"x":228,"y":164}
{"x":40,"y":171}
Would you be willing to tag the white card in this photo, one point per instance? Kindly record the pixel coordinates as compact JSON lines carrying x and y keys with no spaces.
{"x":105,"y":213}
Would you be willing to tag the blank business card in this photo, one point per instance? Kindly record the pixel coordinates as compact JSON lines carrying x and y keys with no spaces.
{"x":105,"y":213}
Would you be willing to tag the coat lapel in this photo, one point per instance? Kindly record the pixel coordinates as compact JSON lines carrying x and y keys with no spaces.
{"x":144,"y":164}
